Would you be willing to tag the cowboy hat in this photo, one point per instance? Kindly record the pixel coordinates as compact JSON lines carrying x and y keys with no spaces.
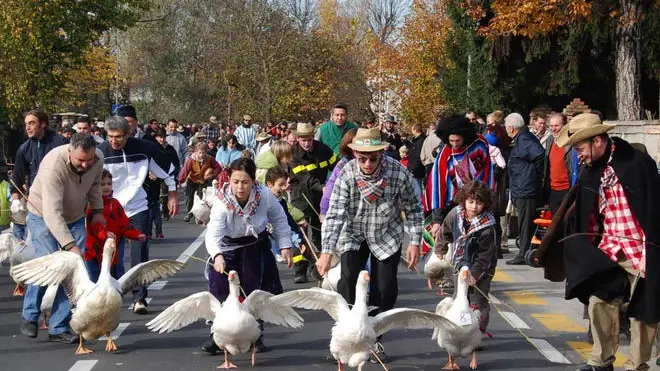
{"x":304,"y":129}
{"x":368,"y":140}
{"x":581,"y":127}
{"x":263,"y":136}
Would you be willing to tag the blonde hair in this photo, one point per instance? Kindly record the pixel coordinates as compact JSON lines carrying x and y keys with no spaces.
{"x":282,"y":149}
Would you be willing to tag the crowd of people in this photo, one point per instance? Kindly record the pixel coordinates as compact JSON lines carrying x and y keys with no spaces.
{"x":305,"y":193}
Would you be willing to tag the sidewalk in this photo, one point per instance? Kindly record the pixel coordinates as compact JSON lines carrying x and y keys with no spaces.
{"x":537,"y":308}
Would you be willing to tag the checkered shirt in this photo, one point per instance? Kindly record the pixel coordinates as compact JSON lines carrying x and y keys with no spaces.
{"x":212,"y":132}
{"x":618,"y":220}
{"x":350,"y":219}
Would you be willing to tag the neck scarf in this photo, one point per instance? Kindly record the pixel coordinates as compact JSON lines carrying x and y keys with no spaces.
{"x":248,"y":211}
{"x":468,"y":227}
{"x":199,"y":157}
{"x":372,"y":186}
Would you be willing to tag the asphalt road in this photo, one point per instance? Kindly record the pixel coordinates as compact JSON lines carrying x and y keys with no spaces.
{"x":521,"y":341}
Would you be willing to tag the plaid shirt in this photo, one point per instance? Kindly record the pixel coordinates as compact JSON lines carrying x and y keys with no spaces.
{"x":211,"y":131}
{"x":351,"y":219}
{"x":618,"y":220}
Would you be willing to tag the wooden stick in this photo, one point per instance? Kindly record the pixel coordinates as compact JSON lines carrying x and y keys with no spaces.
{"x":309,"y":243}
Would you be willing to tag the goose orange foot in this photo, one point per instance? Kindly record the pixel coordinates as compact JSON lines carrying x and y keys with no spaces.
{"x":19,"y":290}
{"x":451,"y":365}
{"x":474,"y":364}
{"x":227,"y":364}
{"x":81,"y":349}
{"x":110,"y":346}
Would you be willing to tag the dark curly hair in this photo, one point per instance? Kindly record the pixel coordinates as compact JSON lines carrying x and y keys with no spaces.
{"x":456,"y":124}
{"x":475,"y":189}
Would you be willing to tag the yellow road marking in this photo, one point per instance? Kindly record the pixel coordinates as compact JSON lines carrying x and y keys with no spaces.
{"x":502,"y":276}
{"x":558,"y":322}
{"x":584,"y":350}
{"x":525,"y":298}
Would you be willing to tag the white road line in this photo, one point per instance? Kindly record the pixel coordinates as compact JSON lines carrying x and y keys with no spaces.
{"x":192,"y":248}
{"x":158,"y":285}
{"x":549,"y":352}
{"x":493,"y":299}
{"x":514,"y":320}
{"x":118,"y":331}
{"x":85,"y":365}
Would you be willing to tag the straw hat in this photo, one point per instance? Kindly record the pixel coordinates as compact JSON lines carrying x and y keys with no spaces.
{"x":304,"y":129}
{"x":368,"y":140}
{"x":263,"y":136}
{"x":247,"y":118}
{"x":581,"y":127}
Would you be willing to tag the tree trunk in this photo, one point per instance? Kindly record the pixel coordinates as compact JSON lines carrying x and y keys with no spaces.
{"x":628,"y":61}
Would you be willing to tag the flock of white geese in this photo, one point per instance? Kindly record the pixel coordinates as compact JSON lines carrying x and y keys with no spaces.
{"x":97,"y":306}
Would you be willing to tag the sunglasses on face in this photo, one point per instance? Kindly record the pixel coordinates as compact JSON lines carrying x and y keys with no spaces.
{"x":365,"y":159}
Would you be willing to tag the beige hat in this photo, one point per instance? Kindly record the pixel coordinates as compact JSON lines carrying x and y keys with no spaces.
{"x":247,"y":118}
{"x":581,"y":127}
{"x":368,"y":140}
{"x":304,"y":129}
{"x":263,"y":136}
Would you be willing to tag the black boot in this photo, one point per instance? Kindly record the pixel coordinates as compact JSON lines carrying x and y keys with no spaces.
{"x":300,"y":272}
{"x":210,"y":346}
{"x":259,"y":346}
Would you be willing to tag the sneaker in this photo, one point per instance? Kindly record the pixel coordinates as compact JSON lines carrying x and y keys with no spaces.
{"x":378,"y":350}
{"x":210,"y":346}
{"x":140,"y":307}
{"x":66,"y":338}
{"x":188,"y":218}
{"x":279,"y":258}
{"x":29,"y":328}
{"x":160,"y":236}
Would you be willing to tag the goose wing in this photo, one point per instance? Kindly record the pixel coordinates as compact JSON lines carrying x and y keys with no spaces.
{"x":202,"y":305}
{"x":61,"y":267}
{"x":315,"y":299}
{"x":409,"y":318}
{"x":145,"y":273}
{"x":259,"y":303}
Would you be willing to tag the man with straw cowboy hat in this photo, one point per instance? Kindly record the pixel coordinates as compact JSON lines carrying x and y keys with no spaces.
{"x":312,"y":162}
{"x":612,"y":242}
{"x":364,"y":221}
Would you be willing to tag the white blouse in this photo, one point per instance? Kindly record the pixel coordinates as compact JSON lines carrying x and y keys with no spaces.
{"x":225,"y":222}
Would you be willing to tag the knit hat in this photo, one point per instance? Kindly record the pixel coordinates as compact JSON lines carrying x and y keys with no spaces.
{"x":127,"y":111}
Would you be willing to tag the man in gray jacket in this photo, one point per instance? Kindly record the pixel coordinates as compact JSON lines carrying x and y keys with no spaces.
{"x":177,"y":141}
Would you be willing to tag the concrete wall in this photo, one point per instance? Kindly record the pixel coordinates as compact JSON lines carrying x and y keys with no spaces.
{"x":646,"y":132}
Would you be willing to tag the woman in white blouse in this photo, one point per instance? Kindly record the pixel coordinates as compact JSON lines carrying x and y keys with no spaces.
{"x":236,"y":238}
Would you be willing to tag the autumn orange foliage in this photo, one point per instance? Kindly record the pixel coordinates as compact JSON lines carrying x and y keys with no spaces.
{"x":527,"y":18}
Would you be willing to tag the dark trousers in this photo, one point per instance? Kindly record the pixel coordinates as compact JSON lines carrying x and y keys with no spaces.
{"x":526,"y":213}
{"x":155,"y":218}
{"x":256,"y":268}
{"x":555,"y":199}
{"x":383,"y":286}
{"x":498,"y":232}
{"x":163,"y":200}
{"x":140,"y":249}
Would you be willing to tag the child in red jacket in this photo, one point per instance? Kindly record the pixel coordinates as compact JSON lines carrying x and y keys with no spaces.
{"x":117,"y":225}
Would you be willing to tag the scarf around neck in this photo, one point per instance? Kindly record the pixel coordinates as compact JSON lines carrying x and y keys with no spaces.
{"x":372,"y":186}
{"x":247,"y":213}
{"x":474,"y":225}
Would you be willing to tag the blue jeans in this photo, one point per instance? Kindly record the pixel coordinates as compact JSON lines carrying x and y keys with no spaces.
{"x":44,"y":243}
{"x":20,"y":231}
{"x":140,"y":249}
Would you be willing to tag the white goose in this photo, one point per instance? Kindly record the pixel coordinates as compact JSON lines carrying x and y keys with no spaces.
{"x":235,"y":328}
{"x":437,"y":268}
{"x":461,"y":340}
{"x":355,"y":331}
{"x":96,"y":305}
{"x":17,"y":252}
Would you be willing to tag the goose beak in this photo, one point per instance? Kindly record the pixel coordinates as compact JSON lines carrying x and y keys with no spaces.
{"x":231,"y":276}
{"x":464,"y":275}
{"x":365,"y":276}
